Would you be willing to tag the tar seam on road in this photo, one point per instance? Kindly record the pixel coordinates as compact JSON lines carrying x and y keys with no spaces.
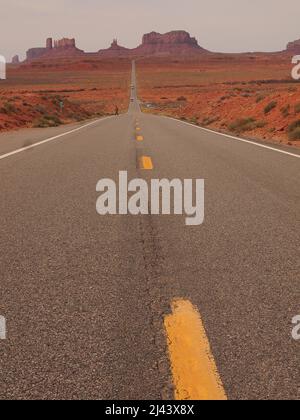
{"x":23,"y":149}
{"x":194,"y":370}
{"x":236,"y":138}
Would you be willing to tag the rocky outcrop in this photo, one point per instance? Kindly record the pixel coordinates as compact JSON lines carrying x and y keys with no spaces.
{"x":294,"y":47}
{"x":65,"y":43}
{"x":15,"y":59}
{"x":34,"y":53}
{"x":62,"y":48}
{"x":115,"y":50}
{"x":171,"y":38}
{"x":175,"y":42}
{"x":171,"y":43}
{"x":49,"y":43}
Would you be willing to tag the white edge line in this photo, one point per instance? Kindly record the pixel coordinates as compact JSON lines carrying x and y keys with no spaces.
{"x":235,"y":138}
{"x":23,"y":149}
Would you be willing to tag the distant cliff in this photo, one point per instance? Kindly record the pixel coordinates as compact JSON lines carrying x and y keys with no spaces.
{"x":175,"y":42}
{"x":115,"y":50}
{"x":294,"y":47}
{"x":62,"y":48}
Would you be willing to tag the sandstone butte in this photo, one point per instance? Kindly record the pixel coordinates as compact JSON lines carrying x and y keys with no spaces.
{"x":174,"y":43}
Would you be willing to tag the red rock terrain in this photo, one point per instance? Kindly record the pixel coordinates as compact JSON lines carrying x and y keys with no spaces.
{"x":42,"y":95}
{"x":172,"y":43}
{"x":248,"y":95}
{"x":251,"y":94}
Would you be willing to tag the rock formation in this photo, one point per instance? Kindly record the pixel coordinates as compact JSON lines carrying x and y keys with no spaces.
{"x":115,"y":50}
{"x":175,"y":42}
{"x":15,"y":60}
{"x":63,"y":47}
{"x":65,"y":43}
{"x":49,"y":43}
{"x":294,"y":47}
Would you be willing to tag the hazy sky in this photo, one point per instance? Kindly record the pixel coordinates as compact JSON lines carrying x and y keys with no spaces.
{"x":219,"y":25}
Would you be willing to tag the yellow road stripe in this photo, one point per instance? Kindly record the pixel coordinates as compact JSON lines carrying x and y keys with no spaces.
{"x":138,"y":129}
{"x":194,"y":370}
{"x":146,"y":163}
{"x":139,"y":138}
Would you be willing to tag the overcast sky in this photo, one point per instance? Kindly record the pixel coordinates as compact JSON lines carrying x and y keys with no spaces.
{"x":219,"y":25}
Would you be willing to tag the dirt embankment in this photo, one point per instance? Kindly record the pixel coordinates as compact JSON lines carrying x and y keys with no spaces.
{"x":44,"y":95}
{"x":249,"y":96}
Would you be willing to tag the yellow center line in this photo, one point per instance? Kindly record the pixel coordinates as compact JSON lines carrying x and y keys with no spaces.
{"x":139,"y":138}
{"x":146,"y":163}
{"x":194,"y":370}
{"x":138,"y":129}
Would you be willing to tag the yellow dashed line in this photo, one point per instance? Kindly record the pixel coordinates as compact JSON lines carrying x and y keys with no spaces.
{"x":139,"y":138}
{"x":146,"y":163}
{"x":194,"y":370}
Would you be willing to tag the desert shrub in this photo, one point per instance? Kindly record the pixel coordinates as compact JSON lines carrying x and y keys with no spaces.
{"x":297,"y":108}
{"x":295,"y":134}
{"x":285,"y":111}
{"x":8,"y":108}
{"x":181,"y":99}
{"x":272,"y":105}
{"x":48,"y":121}
{"x":259,"y":98}
{"x":294,"y":130}
{"x":195,"y":120}
{"x":40,"y":109}
{"x":245,"y":124}
{"x":294,"y":125}
{"x":260,"y":124}
{"x":209,"y":120}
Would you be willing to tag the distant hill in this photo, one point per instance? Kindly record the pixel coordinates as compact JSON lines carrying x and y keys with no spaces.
{"x":174,"y":43}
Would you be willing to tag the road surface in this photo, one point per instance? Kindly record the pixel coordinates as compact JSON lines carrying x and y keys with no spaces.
{"x":85,"y":296}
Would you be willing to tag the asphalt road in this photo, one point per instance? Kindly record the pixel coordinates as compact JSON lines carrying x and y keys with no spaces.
{"x":85,"y":295}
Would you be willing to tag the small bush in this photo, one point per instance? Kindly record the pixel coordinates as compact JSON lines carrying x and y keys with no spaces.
{"x":272,"y":105}
{"x":285,"y":111}
{"x":48,"y":121}
{"x":294,"y":130}
{"x":294,"y":125}
{"x":182,"y":99}
{"x":295,"y":134}
{"x":195,"y":120}
{"x":259,"y":98}
{"x":40,"y":109}
{"x":8,"y":108}
{"x":297,"y":108}
{"x":209,"y":121}
{"x":245,"y":124}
